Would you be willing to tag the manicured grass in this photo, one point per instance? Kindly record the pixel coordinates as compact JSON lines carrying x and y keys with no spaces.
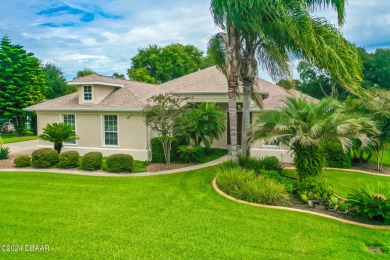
{"x":343,"y":180}
{"x":214,"y":154}
{"x":13,"y":138}
{"x":176,"y":216}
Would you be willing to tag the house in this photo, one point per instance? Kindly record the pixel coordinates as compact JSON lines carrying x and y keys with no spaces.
{"x":106,"y":112}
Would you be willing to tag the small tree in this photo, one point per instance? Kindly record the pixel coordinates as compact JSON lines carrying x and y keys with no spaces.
{"x":202,"y":124}
{"x":58,"y":133}
{"x":161,"y":116}
{"x":306,"y":128}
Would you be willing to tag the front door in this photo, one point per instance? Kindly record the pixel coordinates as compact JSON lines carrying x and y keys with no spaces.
{"x":239,"y":128}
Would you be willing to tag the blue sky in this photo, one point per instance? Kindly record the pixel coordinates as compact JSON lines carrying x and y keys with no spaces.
{"x":104,"y":35}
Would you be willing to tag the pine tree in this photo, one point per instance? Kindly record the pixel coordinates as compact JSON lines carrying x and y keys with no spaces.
{"x":22,"y":83}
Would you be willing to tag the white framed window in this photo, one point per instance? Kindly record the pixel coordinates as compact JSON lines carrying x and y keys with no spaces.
{"x":110,"y":130}
{"x":87,"y":93}
{"x":70,"y":119}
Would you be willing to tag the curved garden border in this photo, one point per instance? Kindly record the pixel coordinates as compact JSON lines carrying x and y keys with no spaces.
{"x":216,"y":188}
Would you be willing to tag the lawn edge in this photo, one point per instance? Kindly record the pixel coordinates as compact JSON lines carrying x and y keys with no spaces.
{"x":216,"y":188}
{"x":346,"y":170}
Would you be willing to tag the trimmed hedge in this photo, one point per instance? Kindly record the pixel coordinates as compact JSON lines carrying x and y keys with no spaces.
{"x":158,"y":152}
{"x":92,"y":161}
{"x":22,"y":161}
{"x":119,"y":163}
{"x":336,"y":158}
{"x":69,"y":159}
{"x":44,"y":158}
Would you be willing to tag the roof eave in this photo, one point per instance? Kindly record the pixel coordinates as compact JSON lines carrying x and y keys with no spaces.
{"x":77,"y":83}
{"x":85,"y":109}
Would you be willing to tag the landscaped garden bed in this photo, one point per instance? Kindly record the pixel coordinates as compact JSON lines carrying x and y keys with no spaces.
{"x":346,"y":195}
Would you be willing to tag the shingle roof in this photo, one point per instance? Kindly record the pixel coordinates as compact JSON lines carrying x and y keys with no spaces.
{"x":132,"y":95}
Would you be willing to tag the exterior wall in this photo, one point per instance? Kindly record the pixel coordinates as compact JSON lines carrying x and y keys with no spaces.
{"x":98,"y":93}
{"x":132,"y":133}
{"x":259,"y":149}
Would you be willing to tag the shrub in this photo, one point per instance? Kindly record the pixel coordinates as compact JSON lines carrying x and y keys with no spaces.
{"x":336,"y":157}
{"x":277,"y":177}
{"x":119,"y":163}
{"x":371,"y":201}
{"x":4,"y":153}
{"x":44,"y":158}
{"x":69,"y":159}
{"x":158,"y":151}
{"x":92,"y":161}
{"x":22,"y":161}
{"x":269,"y":163}
{"x":191,"y":153}
{"x":315,"y":188}
{"x":245,"y":185}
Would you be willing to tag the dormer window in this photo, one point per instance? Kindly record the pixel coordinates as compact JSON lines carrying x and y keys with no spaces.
{"x":87,"y":93}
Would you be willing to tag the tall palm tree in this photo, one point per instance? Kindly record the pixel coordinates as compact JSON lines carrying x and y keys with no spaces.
{"x":276,"y":29}
{"x":306,"y":127}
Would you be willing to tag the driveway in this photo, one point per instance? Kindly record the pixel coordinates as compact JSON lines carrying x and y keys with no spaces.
{"x":18,"y":148}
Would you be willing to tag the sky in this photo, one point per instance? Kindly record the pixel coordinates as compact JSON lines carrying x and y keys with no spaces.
{"x":105,"y":35}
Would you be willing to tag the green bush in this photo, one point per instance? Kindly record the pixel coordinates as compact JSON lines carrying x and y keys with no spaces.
{"x":92,"y":161}
{"x":245,"y":185}
{"x":268,"y":163}
{"x":22,"y":161}
{"x":371,"y":201}
{"x":119,"y":163}
{"x":315,"y":188}
{"x":44,"y":158}
{"x":191,"y":153}
{"x":336,"y":157}
{"x":277,"y":177}
{"x":158,"y":152}
{"x":69,"y":159}
{"x":4,"y":153}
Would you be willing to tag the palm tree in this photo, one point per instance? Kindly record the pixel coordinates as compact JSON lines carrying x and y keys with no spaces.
{"x":306,"y":127}
{"x":273,"y":30}
{"x":58,"y":133}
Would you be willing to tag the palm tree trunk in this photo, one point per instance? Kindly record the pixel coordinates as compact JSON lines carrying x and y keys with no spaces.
{"x":232,"y":61}
{"x":246,"y":100}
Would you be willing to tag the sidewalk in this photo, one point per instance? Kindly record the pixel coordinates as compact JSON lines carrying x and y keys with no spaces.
{"x":107,"y":174}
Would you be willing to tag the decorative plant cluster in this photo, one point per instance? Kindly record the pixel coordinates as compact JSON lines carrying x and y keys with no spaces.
{"x":92,"y":161}
{"x":191,"y":153}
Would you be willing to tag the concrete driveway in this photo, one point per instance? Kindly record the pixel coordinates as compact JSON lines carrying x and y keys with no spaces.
{"x":19,"y":148}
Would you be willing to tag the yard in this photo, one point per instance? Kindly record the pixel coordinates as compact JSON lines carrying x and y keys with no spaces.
{"x":166,"y":216}
{"x":13,"y":138}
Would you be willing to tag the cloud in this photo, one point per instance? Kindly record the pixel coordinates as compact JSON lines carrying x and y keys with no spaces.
{"x":104,"y":36}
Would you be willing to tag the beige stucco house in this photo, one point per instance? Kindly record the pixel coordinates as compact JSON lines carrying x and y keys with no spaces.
{"x":106,"y":111}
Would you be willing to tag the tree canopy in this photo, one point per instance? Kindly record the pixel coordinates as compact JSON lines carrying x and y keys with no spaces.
{"x":156,"y":64}
{"x":376,"y":68}
{"x":22,"y":82}
{"x":84,"y":72}
{"x":55,"y":80}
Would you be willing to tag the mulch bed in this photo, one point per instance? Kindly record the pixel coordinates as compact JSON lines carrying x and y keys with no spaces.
{"x":157,"y":167}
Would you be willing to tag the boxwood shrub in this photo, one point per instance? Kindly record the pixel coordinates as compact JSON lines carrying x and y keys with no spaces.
{"x":158,"y":152}
{"x":92,"y":161}
{"x":119,"y":163}
{"x":44,"y":158}
{"x":69,"y":159}
{"x":22,"y":161}
{"x":336,"y":157}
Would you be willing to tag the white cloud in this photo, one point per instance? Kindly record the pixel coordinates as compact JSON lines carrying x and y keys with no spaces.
{"x":106,"y":45}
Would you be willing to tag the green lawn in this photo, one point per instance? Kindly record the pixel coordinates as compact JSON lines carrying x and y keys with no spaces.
{"x":13,"y":138}
{"x":167,"y":217}
{"x":343,"y":180}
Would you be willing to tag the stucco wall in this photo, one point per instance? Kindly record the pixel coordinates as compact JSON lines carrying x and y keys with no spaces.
{"x":132,"y":133}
